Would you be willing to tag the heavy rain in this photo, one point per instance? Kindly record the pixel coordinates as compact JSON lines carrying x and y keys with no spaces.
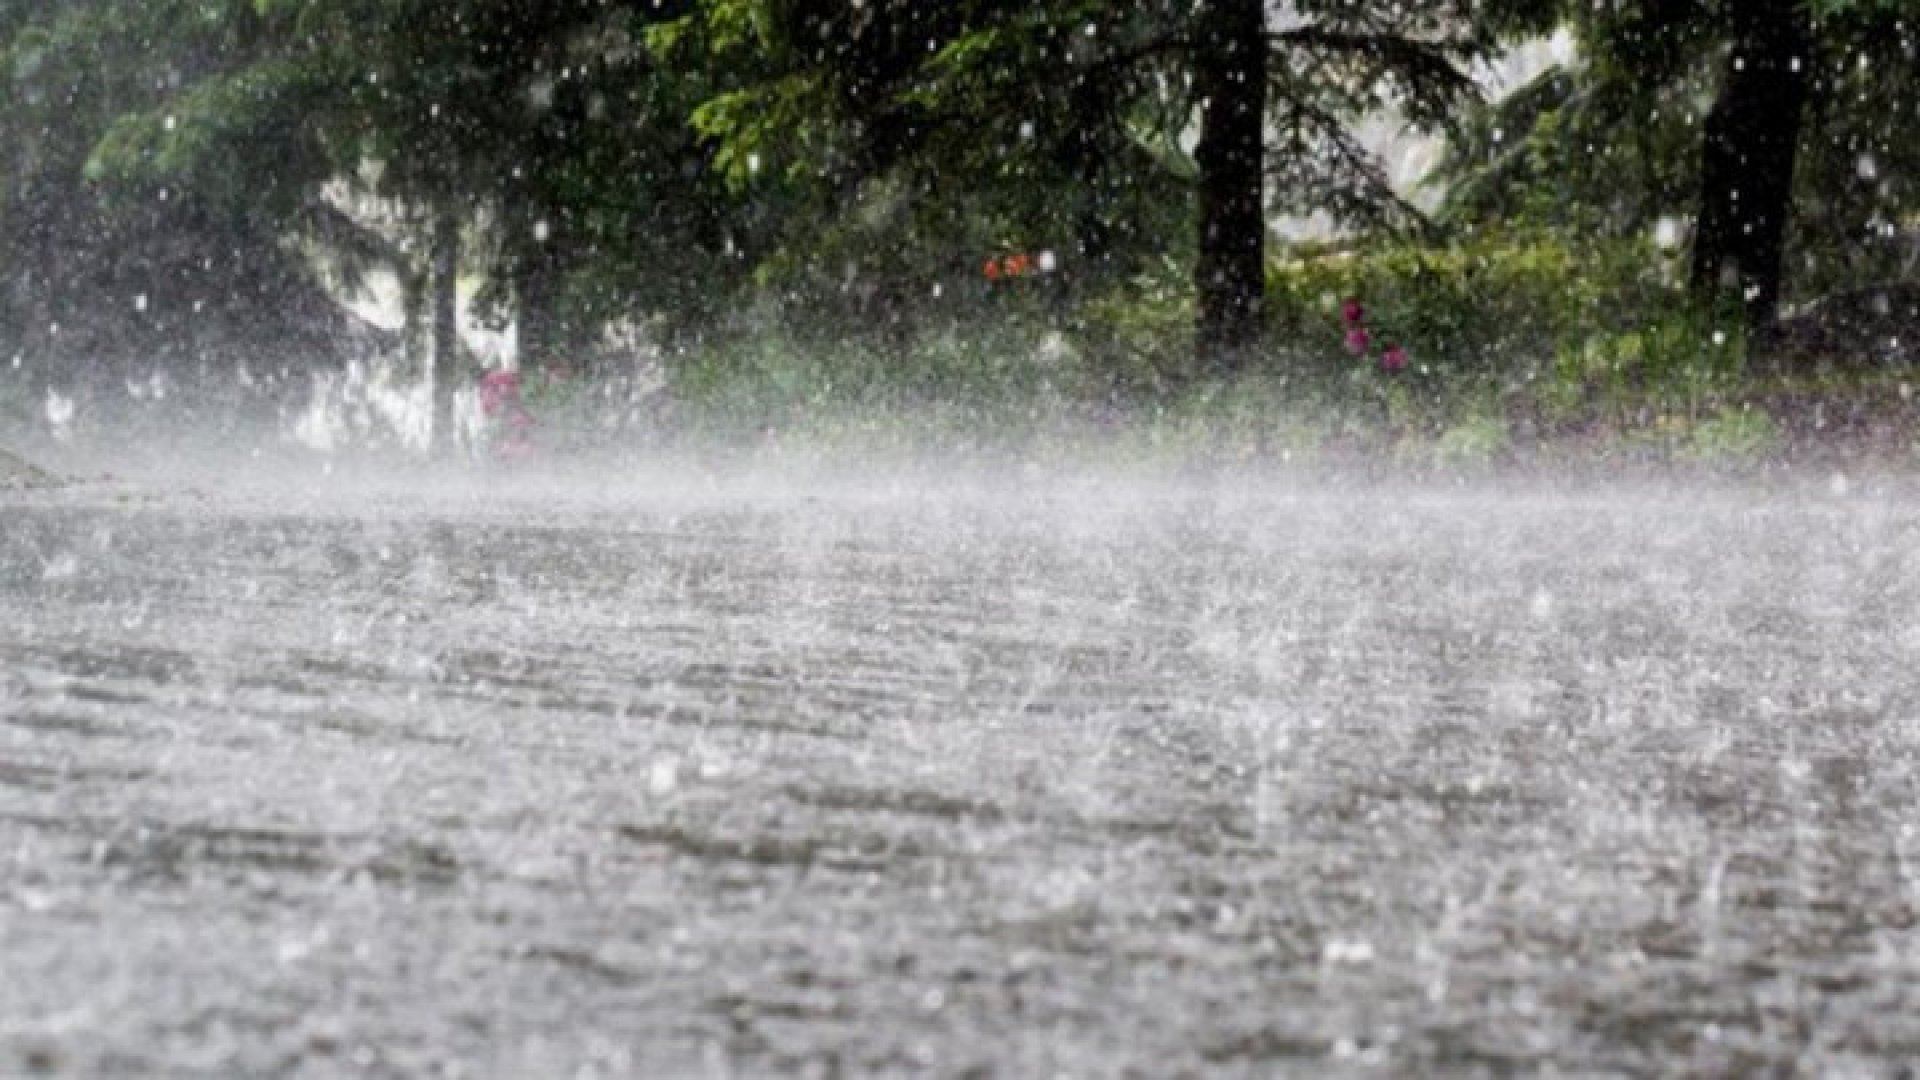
{"x":718,"y":538}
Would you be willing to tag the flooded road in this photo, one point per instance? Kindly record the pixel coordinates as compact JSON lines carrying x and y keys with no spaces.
{"x":1222,"y":778}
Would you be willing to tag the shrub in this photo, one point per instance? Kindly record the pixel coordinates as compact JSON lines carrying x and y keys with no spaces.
{"x":1492,"y":307}
{"x":1675,"y":361}
{"x":1733,"y":434}
{"x":1477,"y":440}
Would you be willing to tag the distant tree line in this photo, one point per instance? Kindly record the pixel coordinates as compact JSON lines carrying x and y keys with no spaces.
{"x":177,"y":169}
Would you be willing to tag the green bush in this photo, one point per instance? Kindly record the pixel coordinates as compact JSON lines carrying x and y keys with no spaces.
{"x":1493,"y":307}
{"x":1139,"y":336}
{"x":1511,"y":337}
{"x":1675,"y":361}
{"x":1474,"y":441}
{"x":1001,"y":378}
{"x":1732,"y":434}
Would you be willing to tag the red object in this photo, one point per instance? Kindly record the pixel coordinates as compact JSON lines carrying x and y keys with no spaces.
{"x":1352,"y":311}
{"x":499,"y":390}
{"x":1007,"y":267}
{"x":512,"y":423}
{"x":1394,"y":359}
{"x":1357,"y":340}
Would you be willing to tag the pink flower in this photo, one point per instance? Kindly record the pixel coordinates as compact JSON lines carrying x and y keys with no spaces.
{"x":1394,"y":359}
{"x":510,"y":425}
{"x":514,"y":438}
{"x":1357,"y":340}
{"x":1352,"y":312}
{"x":498,"y":390}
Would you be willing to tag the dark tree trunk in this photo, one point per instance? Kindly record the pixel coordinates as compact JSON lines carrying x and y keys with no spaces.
{"x":1092,"y":118}
{"x":1230,"y":275}
{"x":535,"y":270}
{"x":1747,"y":160}
{"x":416,"y":298}
{"x":533,"y":286}
{"x":446,"y":328}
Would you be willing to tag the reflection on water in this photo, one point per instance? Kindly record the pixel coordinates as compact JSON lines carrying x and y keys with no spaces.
{"x":1086,"y":782}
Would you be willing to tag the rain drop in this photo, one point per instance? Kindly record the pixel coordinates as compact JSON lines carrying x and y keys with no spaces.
{"x":1540,"y":605}
{"x":663,"y":777}
{"x":60,"y":409}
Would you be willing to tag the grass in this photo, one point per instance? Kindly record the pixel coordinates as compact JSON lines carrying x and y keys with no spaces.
{"x":1115,"y":381}
{"x":1661,"y":395}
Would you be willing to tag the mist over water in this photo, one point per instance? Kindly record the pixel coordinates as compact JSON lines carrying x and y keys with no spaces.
{"x":784,"y":764}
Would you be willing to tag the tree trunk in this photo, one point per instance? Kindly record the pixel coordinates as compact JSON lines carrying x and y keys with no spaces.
{"x":1230,"y":275}
{"x":533,"y":281}
{"x":446,"y":328}
{"x":1093,"y":237}
{"x":1747,"y":160}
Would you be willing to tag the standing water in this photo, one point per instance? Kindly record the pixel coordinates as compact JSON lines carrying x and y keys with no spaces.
{"x":1078,"y":778}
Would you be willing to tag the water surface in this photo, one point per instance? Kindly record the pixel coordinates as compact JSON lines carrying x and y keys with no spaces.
{"x":1007,"y":777}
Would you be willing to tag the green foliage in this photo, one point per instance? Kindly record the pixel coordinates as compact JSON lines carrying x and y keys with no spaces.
{"x":1836,"y":8}
{"x":1142,"y":331}
{"x":1577,"y":150}
{"x":1675,"y":366}
{"x":1857,"y":197}
{"x":908,"y":136}
{"x":711,"y":169}
{"x":1475,"y":441}
{"x":1610,"y":144}
{"x":164,"y":267}
{"x":1491,"y":307}
{"x":1732,"y":434}
{"x":194,"y":139}
{"x":1017,"y":376}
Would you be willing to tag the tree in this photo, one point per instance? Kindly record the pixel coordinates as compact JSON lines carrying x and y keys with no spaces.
{"x":1747,"y":154}
{"x":1797,"y":161}
{"x":107,"y":280}
{"x":854,"y":94}
{"x":1229,"y":50}
{"x":537,"y":146}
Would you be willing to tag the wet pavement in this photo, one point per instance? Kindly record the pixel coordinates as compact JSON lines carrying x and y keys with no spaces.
{"x":1022,"y":778}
